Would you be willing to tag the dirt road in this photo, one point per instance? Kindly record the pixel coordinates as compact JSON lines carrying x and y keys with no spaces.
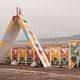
{"x":8,"y":72}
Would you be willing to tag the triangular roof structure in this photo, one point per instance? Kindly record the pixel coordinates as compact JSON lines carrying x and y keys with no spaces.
{"x":11,"y":33}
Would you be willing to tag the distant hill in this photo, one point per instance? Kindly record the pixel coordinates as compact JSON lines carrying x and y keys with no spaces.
{"x":59,"y":40}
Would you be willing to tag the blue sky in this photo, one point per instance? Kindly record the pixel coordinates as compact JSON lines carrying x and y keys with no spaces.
{"x":48,"y":18}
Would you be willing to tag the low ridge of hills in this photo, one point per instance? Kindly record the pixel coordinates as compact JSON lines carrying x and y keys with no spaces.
{"x":58,"y":40}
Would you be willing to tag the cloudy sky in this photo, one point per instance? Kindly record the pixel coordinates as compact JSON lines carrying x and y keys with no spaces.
{"x":48,"y":18}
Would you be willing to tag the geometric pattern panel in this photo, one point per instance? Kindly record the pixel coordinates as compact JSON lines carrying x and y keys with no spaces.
{"x":64,"y":55}
{"x":55,"y":55}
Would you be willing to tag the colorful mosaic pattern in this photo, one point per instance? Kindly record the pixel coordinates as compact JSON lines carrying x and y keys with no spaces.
{"x":29,"y":56}
{"x":64,"y":56}
{"x":14,"y":53}
{"x":47,"y":52}
{"x":21,"y":55}
{"x":55,"y":55}
{"x":74,"y":52}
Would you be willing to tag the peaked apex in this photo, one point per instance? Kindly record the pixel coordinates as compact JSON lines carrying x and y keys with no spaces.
{"x":18,"y":11}
{"x":18,"y":14}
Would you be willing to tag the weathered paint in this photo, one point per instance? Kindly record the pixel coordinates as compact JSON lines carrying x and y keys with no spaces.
{"x":21,"y":55}
{"x":14,"y":53}
{"x":73,"y":52}
{"x":29,"y":56}
{"x":55,"y":55}
{"x":47,"y":52}
{"x":64,"y":55}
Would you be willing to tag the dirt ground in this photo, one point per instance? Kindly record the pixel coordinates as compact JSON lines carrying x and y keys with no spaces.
{"x":20,"y":72}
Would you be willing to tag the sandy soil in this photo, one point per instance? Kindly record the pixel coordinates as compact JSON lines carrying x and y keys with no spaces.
{"x":8,"y":72}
